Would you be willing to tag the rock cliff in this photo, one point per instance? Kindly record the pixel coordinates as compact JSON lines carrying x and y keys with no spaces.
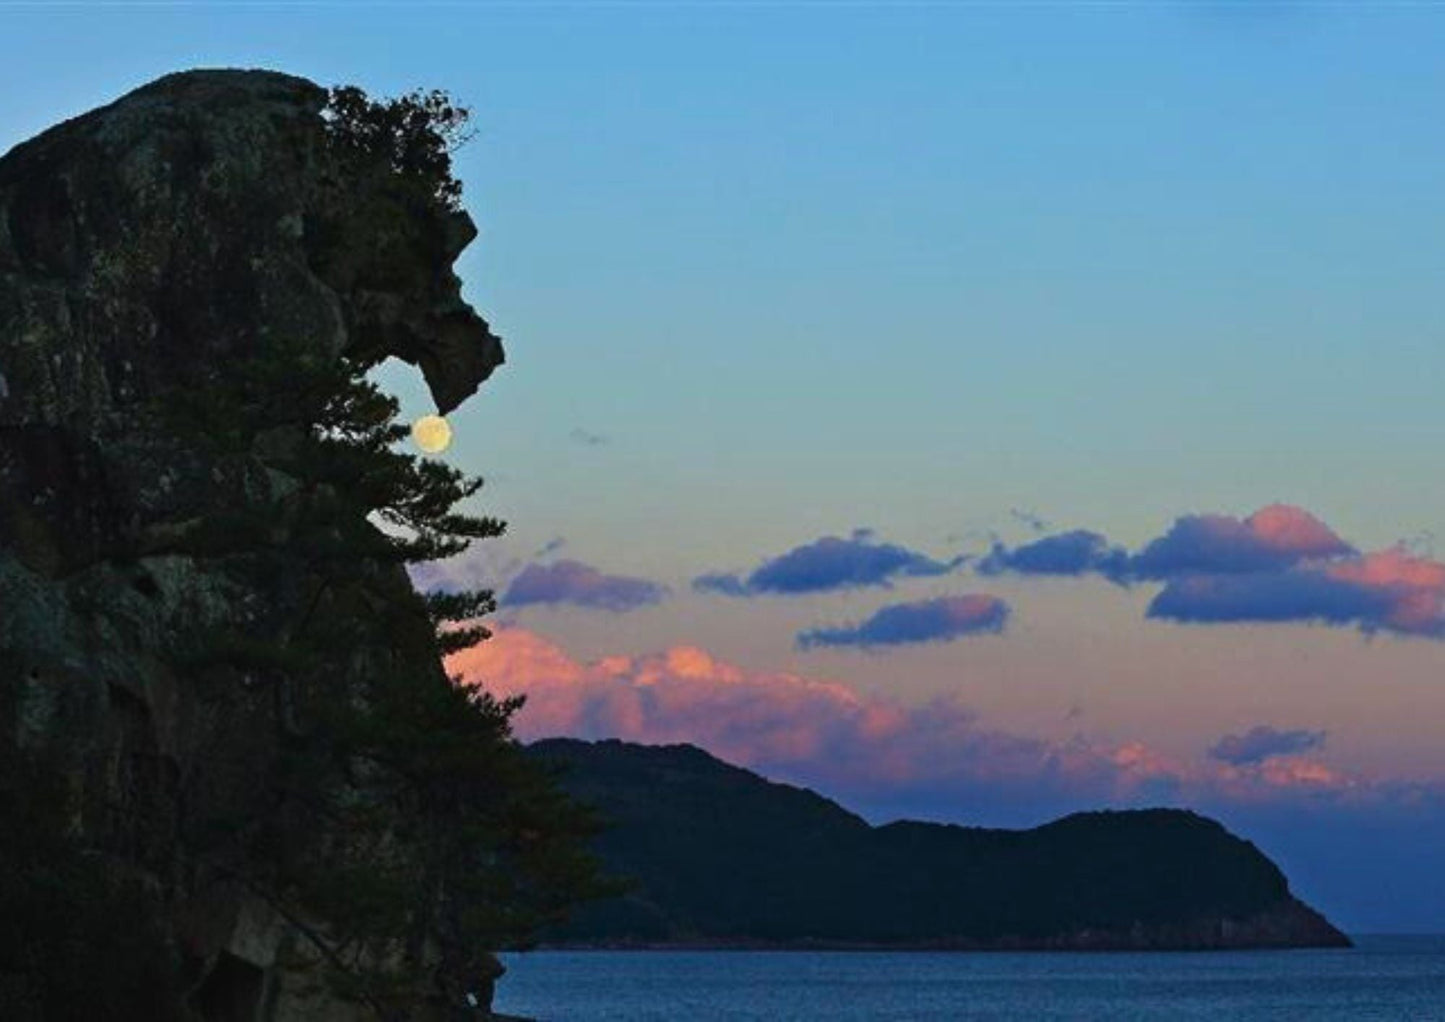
{"x":147,"y":249}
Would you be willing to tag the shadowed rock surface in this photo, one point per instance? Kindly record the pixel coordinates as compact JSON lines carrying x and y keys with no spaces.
{"x":145,"y":249}
{"x":722,"y":857}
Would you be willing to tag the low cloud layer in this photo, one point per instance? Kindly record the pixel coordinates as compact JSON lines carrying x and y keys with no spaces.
{"x":828,"y":564}
{"x":867,"y":748}
{"x":786,"y":725}
{"x":1264,"y":742}
{"x":581,"y":585}
{"x":938,"y":620}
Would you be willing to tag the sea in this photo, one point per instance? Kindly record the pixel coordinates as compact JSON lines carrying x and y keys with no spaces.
{"x":1386,"y":978}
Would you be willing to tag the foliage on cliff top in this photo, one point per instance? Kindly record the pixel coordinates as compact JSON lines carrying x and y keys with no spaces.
{"x":412,"y":136}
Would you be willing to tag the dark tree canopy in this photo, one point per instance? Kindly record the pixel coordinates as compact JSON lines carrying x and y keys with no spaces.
{"x":412,"y":137}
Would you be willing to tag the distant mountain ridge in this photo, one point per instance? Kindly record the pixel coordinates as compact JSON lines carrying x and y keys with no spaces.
{"x":722,"y":857}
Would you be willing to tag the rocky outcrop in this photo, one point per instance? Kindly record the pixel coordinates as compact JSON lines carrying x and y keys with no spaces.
{"x":146,"y":248}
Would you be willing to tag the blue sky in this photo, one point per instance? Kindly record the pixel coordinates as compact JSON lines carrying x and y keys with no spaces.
{"x":769,"y":273}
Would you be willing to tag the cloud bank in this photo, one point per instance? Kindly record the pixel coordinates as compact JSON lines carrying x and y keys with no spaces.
{"x":871,"y":749}
{"x":786,"y":725}
{"x":1280,"y":564}
{"x":828,"y":564}
{"x":938,"y":620}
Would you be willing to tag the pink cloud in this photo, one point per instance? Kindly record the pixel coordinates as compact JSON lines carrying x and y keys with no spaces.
{"x":1139,"y":761}
{"x":1285,"y":527}
{"x":826,"y":735}
{"x":684,"y":694}
{"x":1415,"y":587}
{"x":1296,"y":771}
{"x":1291,"y":777}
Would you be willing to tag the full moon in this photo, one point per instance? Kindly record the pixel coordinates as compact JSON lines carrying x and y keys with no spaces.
{"x":431,"y":433}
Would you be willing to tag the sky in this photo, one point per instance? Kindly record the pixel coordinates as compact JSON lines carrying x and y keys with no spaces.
{"x":975,"y":411}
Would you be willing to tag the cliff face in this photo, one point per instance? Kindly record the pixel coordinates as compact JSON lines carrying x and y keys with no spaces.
{"x":722,"y":857}
{"x":145,"y":249}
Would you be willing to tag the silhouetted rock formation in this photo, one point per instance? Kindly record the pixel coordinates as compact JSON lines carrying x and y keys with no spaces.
{"x":722,"y":857}
{"x":145,"y":247}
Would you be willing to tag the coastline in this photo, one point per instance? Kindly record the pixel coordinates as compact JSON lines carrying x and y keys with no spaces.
{"x":1291,"y":925}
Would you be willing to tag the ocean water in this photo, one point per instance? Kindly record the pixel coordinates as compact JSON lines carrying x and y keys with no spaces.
{"x":1391,"y":979}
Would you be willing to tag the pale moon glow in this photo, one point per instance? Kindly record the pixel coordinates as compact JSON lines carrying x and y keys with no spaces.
{"x":431,"y":433}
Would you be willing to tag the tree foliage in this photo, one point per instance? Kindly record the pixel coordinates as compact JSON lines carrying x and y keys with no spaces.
{"x":402,"y":812}
{"x":411,"y":137}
